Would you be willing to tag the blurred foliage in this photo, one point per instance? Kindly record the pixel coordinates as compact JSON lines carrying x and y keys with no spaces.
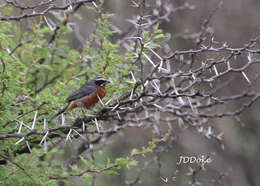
{"x":37,"y":76}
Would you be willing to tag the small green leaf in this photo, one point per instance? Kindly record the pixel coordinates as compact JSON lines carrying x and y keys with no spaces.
{"x":121,"y":161}
{"x":135,"y":152}
{"x":159,"y":36}
{"x":132,"y":163}
{"x":111,"y":172}
{"x":84,"y":161}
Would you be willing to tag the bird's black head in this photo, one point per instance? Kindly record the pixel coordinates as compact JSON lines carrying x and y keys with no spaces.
{"x":101,"y":81}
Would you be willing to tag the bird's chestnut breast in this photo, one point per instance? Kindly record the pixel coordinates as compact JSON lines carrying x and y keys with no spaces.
{"x":92,"y":99}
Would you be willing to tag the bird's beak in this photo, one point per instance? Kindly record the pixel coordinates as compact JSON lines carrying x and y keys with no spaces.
{"x":107,"y":81}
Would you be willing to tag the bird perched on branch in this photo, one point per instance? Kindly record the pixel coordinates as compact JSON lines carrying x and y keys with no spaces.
{"x":87,"y":96}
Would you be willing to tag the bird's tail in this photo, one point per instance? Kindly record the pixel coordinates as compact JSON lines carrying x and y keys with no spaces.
{"x":60,"y":112}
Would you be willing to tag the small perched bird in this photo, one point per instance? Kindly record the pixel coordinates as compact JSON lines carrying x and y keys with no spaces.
{"x":87,"y":96}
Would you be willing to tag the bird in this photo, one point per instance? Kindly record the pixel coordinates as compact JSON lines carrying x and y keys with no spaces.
{"x":86,"y":96}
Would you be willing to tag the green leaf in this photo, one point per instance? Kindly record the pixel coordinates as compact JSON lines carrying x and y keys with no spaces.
{"x":135,"y":152}
{"x":159,"y":36}
{"x":132,"y":163}
{"x":111,"y":172}
{"x":84,"y":161}
{"x":121,"y":161}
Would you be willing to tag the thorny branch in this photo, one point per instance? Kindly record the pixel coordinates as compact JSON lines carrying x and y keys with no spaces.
{"x":51,"y":6}
{"x":187,"y":95}
{"x":177,"y":97}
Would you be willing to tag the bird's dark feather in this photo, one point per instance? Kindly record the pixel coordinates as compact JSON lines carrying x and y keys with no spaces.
{"x":85,"y":90}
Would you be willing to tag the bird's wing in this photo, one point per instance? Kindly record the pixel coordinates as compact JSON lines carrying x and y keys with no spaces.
{"x":85,"y":90}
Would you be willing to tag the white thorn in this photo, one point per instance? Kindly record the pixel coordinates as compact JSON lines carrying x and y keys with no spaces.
{"x":174,"y":86}
{"x":164,"y":70}
{"x":83,"y":127}
{"x":220,"y":136}
{"x":62,"y":119}
{"x":44,"y":124}
{"x":228,"y":65}
{"x":27,"y":143}
{"x":26,"y":126}
{"x":168,"y":65}
{"x":108,"y":101}
{"x":193,"y":76}
{"x":181,"y":58}
{"x":8,"y":51}
{"x":180,"y":122}
{"x":68,"y":135}
{"x":149,"y":59}
{"x":34,"y":120}
{"x":134,"y":4}
{"x":80,"y":135}
{"x":19,"y":141}
{"x":101,"y":101}
{"x":192,"y":108}
{"x":158,"y":106}
{"x":70,"y":8}
{"x":141,"y":39}
{"x":95,"y":5}
{"x":133,"y":77}
{"x":215,"y":69}
{"x":44,"y":137}
{"x":20,"y":128}
{"x":131,"y":82}
{"x":156,"y":129}
{"x":245,"y":76}
{"x":164,"y":180}
{"x":118,"y":115}
{"x":209,"y":132}
{"x":156,"y":87}
{"x":160,"y":67}
{"x":169,"y":125}
{"x":115,"y":107}
{"x":181,"y":101}
{"x":157,"y":55}
{"x":201,"y":129}
{"x":50,"y":23}
{"x":146,"y":113}
{"x":97,"y":125}
{"x":249,"y":57}
{"x":146,"y":83}
{"x":131,"y":95}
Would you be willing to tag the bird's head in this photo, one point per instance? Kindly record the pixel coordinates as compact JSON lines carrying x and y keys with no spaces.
{"x":101,"y":81}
